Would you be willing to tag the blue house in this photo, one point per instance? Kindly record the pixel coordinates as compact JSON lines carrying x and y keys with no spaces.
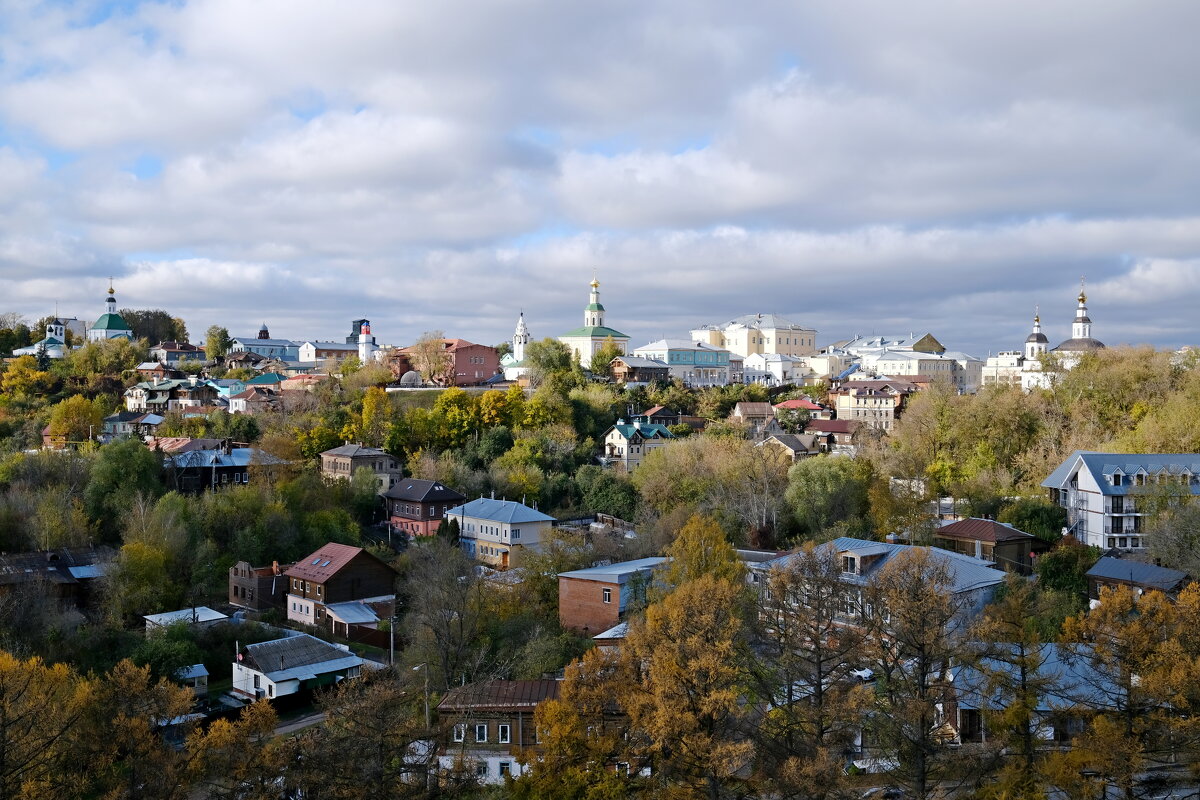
{"x":694,"y":363}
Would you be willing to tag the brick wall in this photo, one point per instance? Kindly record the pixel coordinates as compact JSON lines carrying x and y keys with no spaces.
{"x":581,"y":605}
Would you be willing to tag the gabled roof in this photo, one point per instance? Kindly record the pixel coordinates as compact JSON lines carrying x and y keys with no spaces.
{"x":797,"y":443}
{"x":499,"y":695}
{"x":983,"y":530}
{"x":646,"y":430}
{"x":189,"y":616}
{"x":639,"y":361}
{"x":746,"y":409}
{"x":207,"y":459}
{"x":800,"y":402}
{"x":758,"y":321}
{"x":966,"y":573}
{"x":416,"y":490}
{"x":247,"y":341}
{"x":680,"y":344}
{"x":833,"y":425}
{"x":509,"y":511}
{"x":266,"y":379}
{"x":1103,"y":465}
{"x":1137,"y":573}
{"x":326,"y":561}
{"x":301,"y":656}
{"x":1066,"y":670}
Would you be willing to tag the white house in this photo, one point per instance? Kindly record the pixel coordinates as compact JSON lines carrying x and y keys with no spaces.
{"x":759,"y":333}
{"x":489,"y":530}
{"x":1100,"y":492}
{"x":287,"y":666}
{"x":626,"y":444}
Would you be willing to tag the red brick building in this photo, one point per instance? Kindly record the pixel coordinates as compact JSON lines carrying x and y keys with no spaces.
{"x":470,"y":364}
{"x":416,"y":506}
{"x":590,"y":601}
{"x":336,"y":573}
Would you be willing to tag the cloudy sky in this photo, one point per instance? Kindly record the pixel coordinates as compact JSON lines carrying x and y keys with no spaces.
{"x":858,"y":167}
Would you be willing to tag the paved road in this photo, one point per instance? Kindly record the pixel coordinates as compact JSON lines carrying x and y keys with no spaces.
{"x":293,"y":725}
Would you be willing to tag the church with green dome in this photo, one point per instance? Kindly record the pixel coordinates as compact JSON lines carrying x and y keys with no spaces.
{"x":585,"y":341}
{"x":111,"y":325}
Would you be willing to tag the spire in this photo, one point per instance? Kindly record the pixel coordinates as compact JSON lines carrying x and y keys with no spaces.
{"x":1081,"y":328}
{"x":1037,"y":343}
{"x":520,"y":338}
{"x":593,"y":315}
{"x":110,"y":302}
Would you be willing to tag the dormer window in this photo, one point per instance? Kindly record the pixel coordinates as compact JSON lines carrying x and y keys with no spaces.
{"x":850,"y":565}
{"x":1140,"y":479}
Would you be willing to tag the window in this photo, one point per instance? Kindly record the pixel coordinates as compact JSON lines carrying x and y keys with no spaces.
{"x":503,"y":732}
{"x":460,"y":732}
{"x":850,"y":565}
{"x":480,"y":769}
{"x":505,"y":768}
{"x":516,"y":533}
{"x":270,"y":690}
{"x":481,"y":733}
{"x":607,"y":595}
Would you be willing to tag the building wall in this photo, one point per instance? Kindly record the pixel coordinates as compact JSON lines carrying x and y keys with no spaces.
{"x":582,"y":606}
{"x":492,"y":542}
{"x":474,"y":364}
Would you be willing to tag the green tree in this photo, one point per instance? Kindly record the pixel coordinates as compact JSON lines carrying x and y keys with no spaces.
{"x":216,"y":342}
{"x":155,"y":325}
{"x":546,"y":358}
{"x":1035,"y":515}
{"x":123,"y":471}
{"x":827,"y":490}
{"x":601,"y":363}
{"x":77,"y":418}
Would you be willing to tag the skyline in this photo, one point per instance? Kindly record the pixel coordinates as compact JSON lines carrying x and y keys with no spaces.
{"x":877,"y":170}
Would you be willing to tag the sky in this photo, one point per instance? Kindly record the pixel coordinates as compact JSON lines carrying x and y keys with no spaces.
{"x":855,"y":167}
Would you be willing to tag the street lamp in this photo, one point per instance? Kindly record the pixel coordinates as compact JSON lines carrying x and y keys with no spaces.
{"x":425,"y":665}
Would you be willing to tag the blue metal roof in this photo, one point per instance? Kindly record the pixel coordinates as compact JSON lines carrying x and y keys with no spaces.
{"x":499,"y":511}
{"x":846,"y":372}
{"x":966,"y":573}
{"x":1102,"y":466}
{"x":1071,"y":680}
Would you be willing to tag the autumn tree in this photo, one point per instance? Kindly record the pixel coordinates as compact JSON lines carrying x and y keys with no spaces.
{"x":155,"y":325}
{"x":684,"y":700}
{"x":429,"y":356}
{"x":804,"y":674}
{"x":77,"y":418}
{"x":699,"y":549}
{"x":235,"y":759}
{"x":827,"y":490}
{"x":914,"y":634}
{"x":107,"y":357}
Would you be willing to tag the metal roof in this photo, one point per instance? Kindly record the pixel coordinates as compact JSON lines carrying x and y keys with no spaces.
{"x":188,"y":615}
{"x":352,"y":613}
{"x":1138,"y":573}
{"x":614,"y":573}
{"x":1103,"y":465}
{"x":499,"y":511}
{"x":500,"y":695}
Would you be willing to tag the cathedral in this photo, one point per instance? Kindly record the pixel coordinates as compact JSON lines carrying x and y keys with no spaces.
{"x":1025,"y":369}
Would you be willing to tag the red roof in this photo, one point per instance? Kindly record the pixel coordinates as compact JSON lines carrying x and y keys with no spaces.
{"x":982,"y":530}
{"x":324,"y":563}
{"x":800,"y":402}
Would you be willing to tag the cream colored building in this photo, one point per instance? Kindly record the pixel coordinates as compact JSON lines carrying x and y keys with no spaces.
{"x":759,"y":333}
{"x":490,"y":530}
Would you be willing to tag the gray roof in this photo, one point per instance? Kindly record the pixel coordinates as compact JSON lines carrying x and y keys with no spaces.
{"x":620,"y":572}
{"x":966,"y":573}
{"x":680,"y":344}
{"x":1104,"y":465}
{"x":246,"y":341}
{"x":194,"y":671}
{"x":1070,"y":678}
{"x":236,"y":457}
{"x":1080,"y":345}
{"x":639,"y":361}
{"x":499,"y":511}
{"x":1136,"y":572}
{"x":301,"y":656}
{"x":760,"y":321}
{"x":188,"y":615}
{"x":355,"y":451}
{"x":353,"y":612}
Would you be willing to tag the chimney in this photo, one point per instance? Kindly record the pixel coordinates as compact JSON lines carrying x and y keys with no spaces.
{"x":274,"y":567}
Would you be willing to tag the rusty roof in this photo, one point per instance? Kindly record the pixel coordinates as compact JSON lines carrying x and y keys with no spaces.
{"x":500,"y":695}
{"x":323,"y":564}
{"x":982,"y":530}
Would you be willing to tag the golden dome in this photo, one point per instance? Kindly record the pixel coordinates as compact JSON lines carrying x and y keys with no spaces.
{"x":595,"y":283}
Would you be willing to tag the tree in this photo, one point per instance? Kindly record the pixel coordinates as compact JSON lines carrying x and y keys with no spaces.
{"x":216,"y":343}
{"x":547,"y":358}
{"x":700,"y":549}
{"x":914,"y":634}
{"x":805,"y":655}
{"x":124,"y":470}
{"x":1035,"y":515}
{"x":154,"y":325}
{"x":430,"y":357}
{"x":77,"y":418}
{"x":1013,"y":686}
{"x":371,"y":745}
{"x":826,"y":490}
{"x":601,"y":363}
{"x":112,"y":357}
{"x":376,"y":416}
{"x":235,"y":759}
{"x":24,"y":381}
{"x":685,"y":700}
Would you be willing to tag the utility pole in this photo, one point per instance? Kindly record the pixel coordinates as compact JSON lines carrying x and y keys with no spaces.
{"x":425,"y":665}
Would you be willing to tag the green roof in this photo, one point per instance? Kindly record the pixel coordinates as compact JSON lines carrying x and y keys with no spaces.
{"x":595,"y":332}
{"x":594,"y":307}
{"x":111,"y":322}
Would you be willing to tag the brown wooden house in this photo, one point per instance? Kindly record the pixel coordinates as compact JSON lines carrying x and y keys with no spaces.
{"x":258,"y":588}
{"x":416,"y":507}
{"x":1006,"y":547}
{"x":490,"y":723}
{"x":336,"y":573}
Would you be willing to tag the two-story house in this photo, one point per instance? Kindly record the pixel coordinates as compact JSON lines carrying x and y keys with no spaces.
{"x":416,"y":507}
{"x":973,"y":581}
{"x":161,"y":396}
{"x":693,"y":362}
{"x":627,"y":444}
{"x":490,"y":530}
{"x":336,"y":573}
{"x":591,"y":601}
{"x":258,"y":588}
{"x":1111,"y":572}
{"x":759,"y":418}
{"x":490,"y":723}
{"x":174,"y":352}
{"x":1102,"y":492}
{"x":341,"y":463}
{"x":638,"y":371}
